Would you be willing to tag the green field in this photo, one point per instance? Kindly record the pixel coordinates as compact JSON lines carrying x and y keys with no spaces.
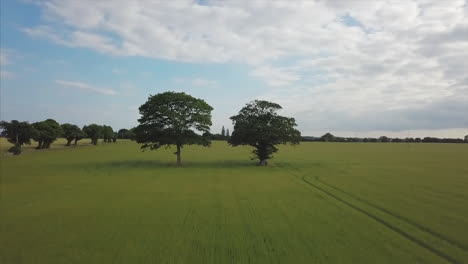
{"x":315,"y":203}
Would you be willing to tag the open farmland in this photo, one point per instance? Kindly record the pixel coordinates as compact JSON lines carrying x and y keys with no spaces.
{"x":314,"y":203}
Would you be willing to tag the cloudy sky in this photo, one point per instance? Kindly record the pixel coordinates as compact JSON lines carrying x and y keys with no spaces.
{"x":354,"y":68}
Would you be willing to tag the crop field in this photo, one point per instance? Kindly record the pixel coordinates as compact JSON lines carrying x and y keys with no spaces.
{"x":314,"y":203}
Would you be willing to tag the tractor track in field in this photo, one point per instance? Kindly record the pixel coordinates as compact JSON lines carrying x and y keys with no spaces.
{"x":402,"y":218}
{"x":387,"y":224}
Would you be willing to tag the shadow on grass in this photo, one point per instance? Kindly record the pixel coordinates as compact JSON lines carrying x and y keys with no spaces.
{"x":153,"y":164}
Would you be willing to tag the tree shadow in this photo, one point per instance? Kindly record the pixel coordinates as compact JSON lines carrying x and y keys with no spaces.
{"x":154,"y":164}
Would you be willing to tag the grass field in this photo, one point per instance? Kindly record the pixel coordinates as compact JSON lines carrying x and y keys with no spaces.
{"x":315,"y":203}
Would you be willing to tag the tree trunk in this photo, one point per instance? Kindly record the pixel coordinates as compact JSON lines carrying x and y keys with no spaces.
{"x":179,"y":159}
{"x":263,"y":154}
{"x":16,"y":150}
{"x":76,"y":141}
{"x":69,"y":142}
{"x":39,"y":145}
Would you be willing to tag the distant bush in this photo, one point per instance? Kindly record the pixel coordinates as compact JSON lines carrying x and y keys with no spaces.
{"x":16,"y":150}
{"x":328,"y":137}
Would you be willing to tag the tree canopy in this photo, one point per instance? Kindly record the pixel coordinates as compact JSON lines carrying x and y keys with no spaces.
{"x":107,"y":133}
{"x":71,"y":132}
{"x":94,"y":132}
{"x":259,"y":125}
{"x":17,"y":133}
{"x":383,"y":139}
{"x":125,"y":134}
{"x":173,"y":118}
{"x":46,"y":132}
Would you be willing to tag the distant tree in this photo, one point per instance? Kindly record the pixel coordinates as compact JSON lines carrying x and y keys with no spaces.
{"x":430,"y":140}
{"x":125,"y":134}
{"x":70,"y":132}
{"x":107,"y":133}
{"x":132,"y":133}
{"x":114,"y":139}
{"x":466,"y":138}
{"x":17,"y":133}
{"x":259,"y":125}
{"x":339,"y":139}
{"x":46,"y":132}
{"x":223,"y":132}
{"x":227,"y":133}
{"x":121,"y":134}
{"x":208,"y":135}
{"x":383,"y":139}
{"x":79,"y":136}
{"x":328,"y":137}
{"x":94,"y":132}
{"x":172,"y":118}
{"x":309,"y":139}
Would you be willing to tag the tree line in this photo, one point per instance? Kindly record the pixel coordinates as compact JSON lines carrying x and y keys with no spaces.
{"x":178,"y":119}
{"x":328,"y":137}
{"x":47,"y":131}
{"x":224,"y":135}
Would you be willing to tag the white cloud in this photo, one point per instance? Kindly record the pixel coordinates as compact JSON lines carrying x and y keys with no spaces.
{"x":118,"y":71}
{"x":5,"y":57}
{"x":85,"y":86}
{"x":274,"y":76}
{"x":398,"y":55}
{"x":7,"y":75}
{"x":195,"y":82}
{"x":77,"y":38}
{"x":200,"y":82}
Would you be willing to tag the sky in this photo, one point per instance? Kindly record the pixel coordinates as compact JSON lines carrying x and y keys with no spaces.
{"x":353,"y":68}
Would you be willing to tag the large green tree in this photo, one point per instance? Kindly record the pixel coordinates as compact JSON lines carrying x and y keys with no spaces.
{"x":94,"y":132}
{"x":46,"y":132}
{"x":259,"y":125}
{"x":17,"y":133}
{"x":71,"y":132}
{"x":172,"y":118}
